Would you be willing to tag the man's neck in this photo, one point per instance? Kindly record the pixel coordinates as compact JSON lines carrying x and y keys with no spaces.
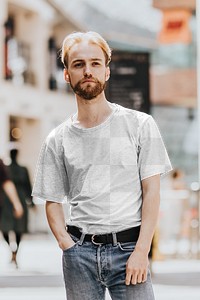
{"x":92,"y":112}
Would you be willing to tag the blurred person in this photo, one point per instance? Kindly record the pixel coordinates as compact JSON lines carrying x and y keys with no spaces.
{"x":107,"y":161}
{"x":7,"y":187}
{"x":20,"y":177}
{"x":178,"y":181}
{"x":185,"y":233}
{"x":181,"y":193}
{"x":175,"y":205}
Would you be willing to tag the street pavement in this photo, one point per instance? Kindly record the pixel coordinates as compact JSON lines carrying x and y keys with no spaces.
{"x":39,"y":276}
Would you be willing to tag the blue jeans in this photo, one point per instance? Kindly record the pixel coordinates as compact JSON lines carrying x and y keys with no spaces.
{"x":89,"y":269}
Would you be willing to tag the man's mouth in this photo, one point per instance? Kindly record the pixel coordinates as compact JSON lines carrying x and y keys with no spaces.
{"x":88,"y":80}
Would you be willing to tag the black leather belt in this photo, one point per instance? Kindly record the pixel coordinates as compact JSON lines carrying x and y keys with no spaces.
{"x":128,"y":235}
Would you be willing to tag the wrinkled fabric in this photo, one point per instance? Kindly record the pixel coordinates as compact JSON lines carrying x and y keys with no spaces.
{"x":99,"y":169}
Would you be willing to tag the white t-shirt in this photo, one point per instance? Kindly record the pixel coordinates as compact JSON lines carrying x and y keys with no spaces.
{"x":99,"y":169}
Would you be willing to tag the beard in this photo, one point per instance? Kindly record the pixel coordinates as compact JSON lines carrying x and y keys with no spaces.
{"x":89,"y":92}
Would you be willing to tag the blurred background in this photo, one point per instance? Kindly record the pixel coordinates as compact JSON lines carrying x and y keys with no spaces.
{"x":154,"y":69}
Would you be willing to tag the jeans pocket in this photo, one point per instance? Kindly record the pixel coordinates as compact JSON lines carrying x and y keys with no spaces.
{"x":71,"y":248}
{"x":127,"y":246}
{"x":76,"y":240}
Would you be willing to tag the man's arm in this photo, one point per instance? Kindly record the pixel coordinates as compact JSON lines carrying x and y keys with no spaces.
{"x":137,"y":264}
{"x":11,"y":192}
{"x":56,"y":220}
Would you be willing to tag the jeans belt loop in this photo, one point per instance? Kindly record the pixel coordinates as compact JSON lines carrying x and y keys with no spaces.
{"x":114,"y":236}
{"x":80,"y":242}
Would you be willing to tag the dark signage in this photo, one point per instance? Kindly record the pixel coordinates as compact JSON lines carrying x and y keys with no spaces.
{"x":129,"y":81}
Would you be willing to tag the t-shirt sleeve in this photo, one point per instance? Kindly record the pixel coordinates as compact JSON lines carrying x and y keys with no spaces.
{"x":152,"y":157}
{"x":51,"y":180}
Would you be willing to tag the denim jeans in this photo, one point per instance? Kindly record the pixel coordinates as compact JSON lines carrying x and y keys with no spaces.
{"x":89,"y":269}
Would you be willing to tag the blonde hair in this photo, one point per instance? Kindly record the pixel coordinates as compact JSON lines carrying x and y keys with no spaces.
{"x":77,"y":37}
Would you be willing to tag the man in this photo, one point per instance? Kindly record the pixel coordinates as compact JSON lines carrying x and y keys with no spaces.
{"x":7,"y":186}
{"x":107,"y":161}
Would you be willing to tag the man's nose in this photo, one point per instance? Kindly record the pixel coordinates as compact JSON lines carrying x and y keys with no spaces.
{"x":87,"y":71}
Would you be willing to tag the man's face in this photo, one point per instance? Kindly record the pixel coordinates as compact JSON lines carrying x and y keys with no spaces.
{"x":87,"y":72}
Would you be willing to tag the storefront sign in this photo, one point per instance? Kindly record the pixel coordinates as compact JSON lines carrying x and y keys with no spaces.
{"x":175,"y":27}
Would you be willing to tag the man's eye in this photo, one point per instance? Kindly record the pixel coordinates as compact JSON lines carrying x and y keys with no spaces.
{"x":96,"y":63}
{"x":78,"y":65}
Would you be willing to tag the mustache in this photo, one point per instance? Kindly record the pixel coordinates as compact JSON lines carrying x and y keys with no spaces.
{"x":90,"y":78}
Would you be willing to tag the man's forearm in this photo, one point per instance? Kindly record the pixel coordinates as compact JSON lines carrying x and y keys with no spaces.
{"x":150,"y":210}
{"x":56,"y":220}
{"x":137,"y":264}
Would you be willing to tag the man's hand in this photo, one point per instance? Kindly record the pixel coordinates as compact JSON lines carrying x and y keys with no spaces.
{"x":56,"y":220}
{"x":137,"y":267}
{"x":66,"y":243}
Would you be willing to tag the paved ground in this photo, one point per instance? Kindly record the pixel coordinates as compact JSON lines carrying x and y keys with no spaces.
{"x":39,"y":275}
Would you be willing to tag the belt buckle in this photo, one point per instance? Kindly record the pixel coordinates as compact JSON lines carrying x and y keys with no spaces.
{"x":92,"y":239}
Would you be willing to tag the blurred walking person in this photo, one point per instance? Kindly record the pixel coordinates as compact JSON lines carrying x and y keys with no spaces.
{"x":7,"y":187}
{"x":20,"y":177}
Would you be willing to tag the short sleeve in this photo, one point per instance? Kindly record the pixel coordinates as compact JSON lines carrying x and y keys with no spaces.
{"x":51,"y":180}
{"x":152,"y":156}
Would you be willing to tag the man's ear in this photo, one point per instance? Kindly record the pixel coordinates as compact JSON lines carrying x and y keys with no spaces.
{"x":107,"y":73}
{"x":66,"y":75}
